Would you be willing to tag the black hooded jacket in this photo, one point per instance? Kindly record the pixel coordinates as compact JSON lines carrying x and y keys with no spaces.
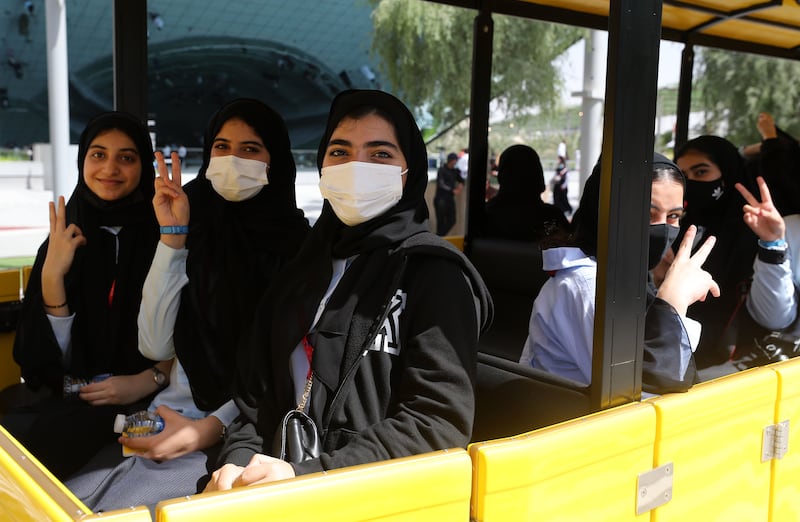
{"x":412,"y":390}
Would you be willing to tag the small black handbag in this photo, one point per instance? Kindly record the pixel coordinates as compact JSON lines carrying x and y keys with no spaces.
{"x":297,"y":439}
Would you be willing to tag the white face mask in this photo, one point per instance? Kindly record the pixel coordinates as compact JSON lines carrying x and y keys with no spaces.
{"x":360,"y":191}
{"x":235,"y":178}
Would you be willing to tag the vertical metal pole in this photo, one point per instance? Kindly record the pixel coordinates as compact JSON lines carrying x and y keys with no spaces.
{"x":62,"y":168}
{"x":684,"y":96}
{"x":631,"y":87}
{"x":479,"y":120}
{"x":130,"y":57}
{"x":592,"y":105}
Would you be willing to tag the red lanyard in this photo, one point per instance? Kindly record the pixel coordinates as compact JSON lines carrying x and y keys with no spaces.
{"x":111,"y":293}
{"x":309,"y":352}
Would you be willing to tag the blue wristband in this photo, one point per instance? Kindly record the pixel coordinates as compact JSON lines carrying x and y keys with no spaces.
{"x":778,"y":243}
{"x":180,"y":229}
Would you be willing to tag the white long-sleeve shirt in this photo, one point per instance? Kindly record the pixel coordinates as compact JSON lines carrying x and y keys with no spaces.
{"x":561,"y":328}
{"x":772,"y":301}
{"x":161,"y":298}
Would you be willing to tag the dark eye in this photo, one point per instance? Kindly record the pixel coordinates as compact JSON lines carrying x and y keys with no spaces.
{"x":98,"y":155}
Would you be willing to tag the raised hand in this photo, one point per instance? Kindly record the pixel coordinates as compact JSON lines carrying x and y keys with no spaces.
{"x":64,"y":240}
{"x":170,"y":202}
{"x":762,"y":217}
{"x":766,"y":126}
{"x":686,"y":281}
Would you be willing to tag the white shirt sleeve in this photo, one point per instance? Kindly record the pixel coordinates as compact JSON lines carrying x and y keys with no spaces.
{"x":62,"y":329}
{"x":226,"y":413}
{"x":772,"y":301}
{"x":161,"y":297}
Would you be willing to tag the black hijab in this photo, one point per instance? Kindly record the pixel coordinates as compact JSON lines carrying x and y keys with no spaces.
{"x":517,"y":212}
{"x":730,"y":262}
{"x":235,"y":250}
{"x":104,"y":283}
{"x":520,"y":173}
{"x":585,"y":220}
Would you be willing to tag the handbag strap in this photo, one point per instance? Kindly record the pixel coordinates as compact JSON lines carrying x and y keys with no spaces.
{"x":376,"y":327}
{"x":309,"y":377}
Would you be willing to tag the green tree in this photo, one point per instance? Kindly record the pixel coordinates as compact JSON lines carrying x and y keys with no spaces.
{"x":425,"y":51}
{"x":735,"y":87}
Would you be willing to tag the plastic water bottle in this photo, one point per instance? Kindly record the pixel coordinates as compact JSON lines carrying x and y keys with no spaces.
{"x":73,"y":385}
{"x":139,"y":424}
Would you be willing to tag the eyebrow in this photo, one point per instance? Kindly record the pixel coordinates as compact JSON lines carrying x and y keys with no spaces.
{"x":250,"y":142}
{"x":701,"y":164}
{"x":673,"y":209}
{"x":128,"y":149}
{"x":371,"y":144}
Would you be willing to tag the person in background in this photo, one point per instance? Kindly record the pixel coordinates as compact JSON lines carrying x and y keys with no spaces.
{"x":517,"y":211}
{"x":561,"y":329}
{"x":777,"y":159}
{"x":772,"y":300}
{"x":463,"y":163}
{"x":225,"y":237}
{"x":713,"y":167}
{"x":377,"y":315}
{"x":78,"y":320}
{"x":560,"y":187}
{"x":448,"y":185}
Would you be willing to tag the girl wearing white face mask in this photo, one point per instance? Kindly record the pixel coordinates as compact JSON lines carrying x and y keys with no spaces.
{"x":374,"y":310}
{"x":210,"y":268}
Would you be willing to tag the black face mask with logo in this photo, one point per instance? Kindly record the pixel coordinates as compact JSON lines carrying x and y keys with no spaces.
{"x":705,"y":199}
{"x":661,"y":238}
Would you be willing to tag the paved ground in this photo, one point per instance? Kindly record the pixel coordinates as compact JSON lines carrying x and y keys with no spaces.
{"x":24,"y":218}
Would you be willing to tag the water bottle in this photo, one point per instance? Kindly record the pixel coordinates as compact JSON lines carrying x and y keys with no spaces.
{"x":73,"y":385}
{"x":139,"y":424}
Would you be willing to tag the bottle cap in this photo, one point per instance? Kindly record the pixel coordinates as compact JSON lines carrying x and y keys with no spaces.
{"x":119,"y":423}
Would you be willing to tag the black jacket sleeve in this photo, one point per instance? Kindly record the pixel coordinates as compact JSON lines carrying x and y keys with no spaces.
{"x":35,"y":347}
{"x":665,"y":340}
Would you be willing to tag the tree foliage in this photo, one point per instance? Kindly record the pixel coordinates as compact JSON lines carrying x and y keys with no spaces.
{"x":425,"y":52}
{"x":735,"y":87}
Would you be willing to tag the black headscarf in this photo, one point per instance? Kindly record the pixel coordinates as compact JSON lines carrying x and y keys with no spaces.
{"x":104,"y":336}
{"x":779,"y":164}
{"x":730,"y":262}
{"x":585,"y":220}
{"x":289,"y":309}
{"x":235,"y":250}
{"x":517,"y":211}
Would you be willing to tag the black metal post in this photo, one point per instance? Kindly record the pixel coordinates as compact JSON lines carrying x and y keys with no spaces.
{"x":631,"y":87}
{"x":479,"y":120}
{"x":130,"y":57}
{"x":684,"y":96}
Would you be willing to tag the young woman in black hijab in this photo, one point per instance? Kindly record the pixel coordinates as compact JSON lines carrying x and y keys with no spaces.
{"x":517,"y":211}
{"x":79,"y":314}
{"x":374,"y":306}
{"x":713,"y":166}
{"x":203,"y":286}
{"x":243,"y":226}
